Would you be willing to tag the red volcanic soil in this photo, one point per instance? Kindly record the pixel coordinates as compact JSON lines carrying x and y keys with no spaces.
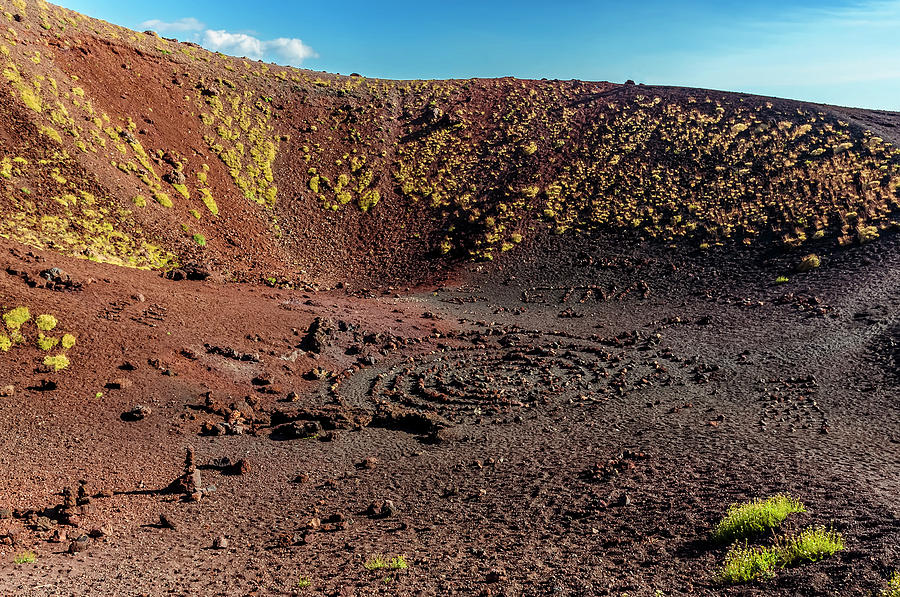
{"x":326,"y":395}
{"x":510,"y":434}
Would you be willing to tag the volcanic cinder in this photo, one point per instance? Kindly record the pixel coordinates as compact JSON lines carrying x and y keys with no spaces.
{"x":269,"y":331}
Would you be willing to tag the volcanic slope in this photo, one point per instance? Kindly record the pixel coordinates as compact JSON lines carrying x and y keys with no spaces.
{"x":127,"y":148}
{"x":277,"y":332}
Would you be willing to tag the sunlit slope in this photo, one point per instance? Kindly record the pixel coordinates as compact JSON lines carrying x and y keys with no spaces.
{"x":127,"y":148}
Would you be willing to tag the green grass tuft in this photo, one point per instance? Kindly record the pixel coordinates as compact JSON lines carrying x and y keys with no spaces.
{"x":163,"y":199}
{"x":749,"y":518}
{"x":26,"y":557}
{"x":209,"y":202}
{"x":380,"y":562}
{"x":46,"y":343}
{"x":57,"y":363}
{"x":68,"y":341}
{"x":810,"y":262}
{"x":14,"y":318}
{"x":809,"y":546}
{"x":743,"y":564}
{"x":46,"y":323}
{"x":369,"y":199}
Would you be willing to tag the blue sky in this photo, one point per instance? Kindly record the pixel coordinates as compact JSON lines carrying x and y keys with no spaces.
{"x":834,"y":51}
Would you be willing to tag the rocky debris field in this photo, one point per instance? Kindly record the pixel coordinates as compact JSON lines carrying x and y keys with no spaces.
{"x":568,"y":427}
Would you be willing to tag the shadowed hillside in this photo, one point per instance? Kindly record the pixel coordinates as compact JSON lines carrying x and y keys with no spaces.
{"x":126,"y":148}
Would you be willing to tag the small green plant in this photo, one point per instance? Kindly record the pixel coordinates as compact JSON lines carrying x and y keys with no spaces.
{"x":14,"y":318}
{"x":749,"y":518}
{"x":893,"y":586}
{"x":380,"y":562}
{"x":375,"y":563}
{"x":209,"y":202}
{"x":810,"y":545}
{"x":46,"y":343}
{"x":369,"y":199}
{"x":182,"y":190}
{"x":26,"y":557}
{"x":304,"y":582}
{"x":200,"y":240}
{"x":57,"y":362}
{"x":46,"y":323}
{"x":867,"y":234}
{"x":163,"y":199}
{"x":782,"y":280}
{"x":810,"y":262}
{"x":68,"y":341}
{"x":743,"y":564}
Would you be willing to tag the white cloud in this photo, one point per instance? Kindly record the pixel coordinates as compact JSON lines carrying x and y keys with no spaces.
{"x":179,"y":26}
{"x":290,"y":50}
{"x":283,"y":50}
{"x":240,"y":44}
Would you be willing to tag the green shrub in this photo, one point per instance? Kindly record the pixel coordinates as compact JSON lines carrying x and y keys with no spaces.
{"x":182,"y":190}
{"x":5,"y":343}
{"x":304,"y":583}
{"x":26,"y":557}
{"x":369,"y":199}
{"x":200,"y":239}
{"x":749,"y":518}
{"x":809,"y":262}
{"x":893,"y":587}
{"x":867,"y":234}
{"x":380,"y":562}
{"x":209,"y":202}
{"x":68,"y":341}
{"x":163,"y":199}
{"x":46,"y":323}
{"x":46,"y":342}
{"x":14,"y":318}
{"x":809,"y":546}
{"x":57,"y":363}
{"x":743,"y":564}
